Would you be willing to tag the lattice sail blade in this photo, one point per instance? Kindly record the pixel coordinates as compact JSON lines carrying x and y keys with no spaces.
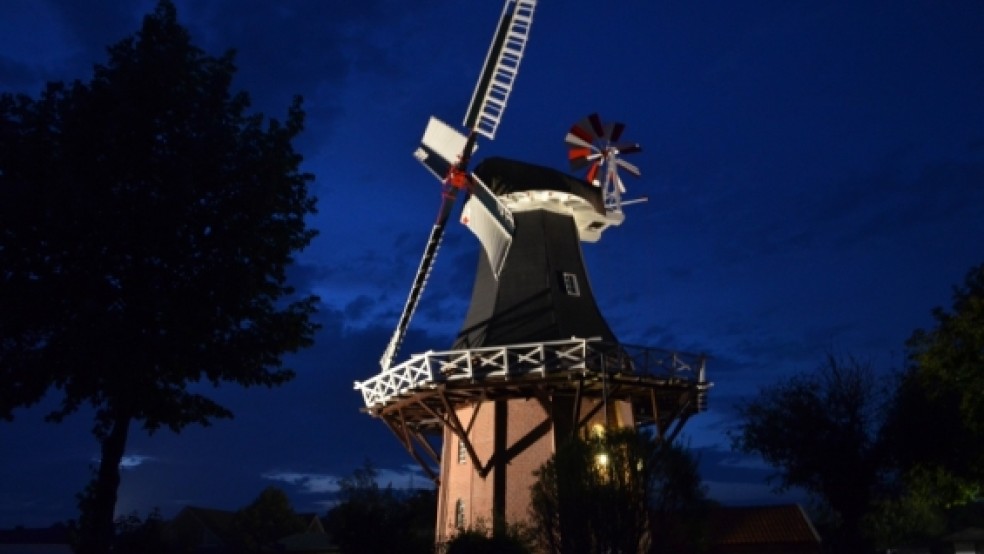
{"x":419,"y":281}
{"x":498,"y":74}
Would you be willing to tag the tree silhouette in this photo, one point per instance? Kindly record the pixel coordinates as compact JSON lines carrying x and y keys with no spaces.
{"x":820,"y":431}
{"x":933,"y":436}
{"x":370,"y":518}
{"x":140,"y":536}
{"x":621,"y":492}
{"x":948,"y":360}
{"x":501,"y":539}
{"x":146,"y":224}
{"x":268,"y":518}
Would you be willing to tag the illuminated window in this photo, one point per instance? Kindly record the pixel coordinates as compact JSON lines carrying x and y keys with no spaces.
{"x":459,"y":514}
{"x":570,"y":285}
{"x":462,"y":451}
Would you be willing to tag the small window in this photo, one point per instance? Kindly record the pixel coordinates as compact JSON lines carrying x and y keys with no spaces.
{"x":570,"y":285}
{"x":459,"y":514}
{"x":462,"y":451}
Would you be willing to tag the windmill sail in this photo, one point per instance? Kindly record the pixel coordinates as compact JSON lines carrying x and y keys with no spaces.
{"x":446,"y":153}
{"x":492,"y":222}
{"x":496,"y":80}
{"x":419,"y":282}
{"x":440,"y":148}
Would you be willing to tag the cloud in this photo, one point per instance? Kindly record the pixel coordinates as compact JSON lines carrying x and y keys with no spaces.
{"x":358,"y":308}
{"x":129,"y":461}
{"x":406,"y":477}
{"x":401,"y":478}
{"x":310,"y":483}
{"x":132,"y":461}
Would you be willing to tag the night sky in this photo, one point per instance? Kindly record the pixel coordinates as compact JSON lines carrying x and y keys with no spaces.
{"x":815,"y":173}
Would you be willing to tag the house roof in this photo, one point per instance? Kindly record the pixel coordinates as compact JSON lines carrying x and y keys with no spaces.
{"x":747,"y":525}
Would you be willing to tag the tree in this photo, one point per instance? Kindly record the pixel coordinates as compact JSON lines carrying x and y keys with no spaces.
{"x":267,"y":519}
{"x":948,"y":360}
{"x":679,"y":506}
{"x":146,"y":224}
{"x":136,"y":536}
{"x":618,"y":492}
{"x":918,"y":507}
{"x":820,"y":431}
{"x":933,"y":436}
{"x":501,"y":539}
{"x":933,"y":458}
{"x":369,"y":518}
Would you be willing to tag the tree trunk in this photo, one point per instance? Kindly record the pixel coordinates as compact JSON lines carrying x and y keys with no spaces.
{"x":98,"y":502}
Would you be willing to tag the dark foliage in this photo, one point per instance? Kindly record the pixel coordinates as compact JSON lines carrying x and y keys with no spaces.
{"x":506,"y":540}
{"x":140,"y":536}
{"x":622,"y":492}
{"x":893,"y":465}
{"x":819,"y":430}
{"x":933,"y":437}
{"x":268,"y":518}
{"x":146,"y":224}
{"x":373,"y":519}
{"x":947,"y":368}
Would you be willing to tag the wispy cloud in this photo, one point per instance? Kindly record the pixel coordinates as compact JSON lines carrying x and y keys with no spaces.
{"x":314,"y":483}
{"x":407,"y":477}
{"x":132,"y":461}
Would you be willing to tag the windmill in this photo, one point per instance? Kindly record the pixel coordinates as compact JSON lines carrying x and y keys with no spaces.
{"x":534,"y":363}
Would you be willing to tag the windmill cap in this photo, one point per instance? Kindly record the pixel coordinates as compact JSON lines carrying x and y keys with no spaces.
{"x":505,"y":176}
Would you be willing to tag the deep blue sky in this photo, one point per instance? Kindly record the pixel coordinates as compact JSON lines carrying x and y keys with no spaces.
{"x":815,"y":173}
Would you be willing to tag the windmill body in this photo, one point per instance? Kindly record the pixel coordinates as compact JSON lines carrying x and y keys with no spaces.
{"x":541,"y":296}
{"x":535,"y":363}
{"x":542,"y":292}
